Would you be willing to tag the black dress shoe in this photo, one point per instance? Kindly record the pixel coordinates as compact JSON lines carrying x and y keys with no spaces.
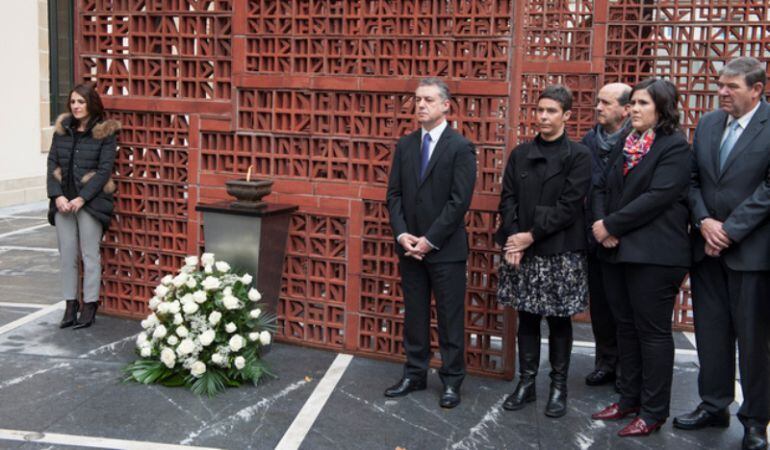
{"x":88,"y":316}
{"x":450,"y":398}
{"x":599,"y":377}
{"x":754,"y":438}
{"x":405,"y":386}
{"x":701,"y":419}
{"x":70,"y":314}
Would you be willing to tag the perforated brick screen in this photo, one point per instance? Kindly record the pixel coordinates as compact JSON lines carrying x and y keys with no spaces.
{"x":314,"y":94}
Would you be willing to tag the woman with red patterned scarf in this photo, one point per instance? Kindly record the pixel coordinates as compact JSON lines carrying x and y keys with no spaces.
{"x":642,"y":224}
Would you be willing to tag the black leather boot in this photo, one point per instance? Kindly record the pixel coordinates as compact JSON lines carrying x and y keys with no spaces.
{"x":70,"y":314}
{"x":559,"y":350}
{"x":88,"y":316}
{"x":529,"y":361}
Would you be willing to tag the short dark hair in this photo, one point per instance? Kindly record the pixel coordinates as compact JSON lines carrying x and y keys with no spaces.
{"x":749,"y":68}
{"x":443,"y":89}
{"x":93,"y":102}
{"x":665,"y":96}
{"x":624,"y":97}
{"x":560,"y":94}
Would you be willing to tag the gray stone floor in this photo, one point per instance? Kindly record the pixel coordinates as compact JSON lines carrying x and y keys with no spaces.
{"x":70,"y":382}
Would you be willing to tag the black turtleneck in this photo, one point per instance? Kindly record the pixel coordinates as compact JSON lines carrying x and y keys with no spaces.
{"x":548,"y":148}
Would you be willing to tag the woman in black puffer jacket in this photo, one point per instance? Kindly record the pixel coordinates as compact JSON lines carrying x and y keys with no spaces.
{"x":80,"y":190}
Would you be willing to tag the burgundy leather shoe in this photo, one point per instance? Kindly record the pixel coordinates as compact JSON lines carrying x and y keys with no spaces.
{"x":638,"y":427}
{"x":613,"y":412}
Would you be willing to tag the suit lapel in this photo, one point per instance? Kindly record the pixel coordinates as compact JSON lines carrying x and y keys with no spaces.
{"x":755,"y":126}
{"x":414,"y":154}
{"x":443,"y":142}
{"x":715,"y":141}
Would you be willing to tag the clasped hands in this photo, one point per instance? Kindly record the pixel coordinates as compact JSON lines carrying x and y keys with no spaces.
{"x":69,"y":206}
{"x":515,"y":246}
{"x":716,"y":237}
{"x":416,"y":247}
{"x":603,"y":236}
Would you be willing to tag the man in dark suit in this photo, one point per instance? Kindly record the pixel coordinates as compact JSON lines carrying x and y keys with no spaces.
{"x":429,"y":191}
{"x":612,"y":126}
{"x":730,"y":211}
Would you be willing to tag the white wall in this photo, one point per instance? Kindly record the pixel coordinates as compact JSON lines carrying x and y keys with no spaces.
{"x":24,"y":106}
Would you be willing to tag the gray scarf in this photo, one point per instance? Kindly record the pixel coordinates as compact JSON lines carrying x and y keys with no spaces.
{"x":606,"y":141}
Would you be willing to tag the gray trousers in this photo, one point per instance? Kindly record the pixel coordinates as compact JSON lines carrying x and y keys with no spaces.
{"x":79,"y":232}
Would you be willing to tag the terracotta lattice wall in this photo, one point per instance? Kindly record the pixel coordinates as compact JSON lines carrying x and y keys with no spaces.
{"x":314,"y":94}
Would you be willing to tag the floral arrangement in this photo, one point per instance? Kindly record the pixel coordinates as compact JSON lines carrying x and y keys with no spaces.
{"x":206,"y":330}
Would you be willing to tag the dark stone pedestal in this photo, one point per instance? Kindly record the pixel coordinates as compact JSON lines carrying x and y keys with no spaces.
{"x":250,"y":240}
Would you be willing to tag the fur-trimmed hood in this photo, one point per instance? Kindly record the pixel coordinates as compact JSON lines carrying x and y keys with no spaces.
{"x":99,"y":131}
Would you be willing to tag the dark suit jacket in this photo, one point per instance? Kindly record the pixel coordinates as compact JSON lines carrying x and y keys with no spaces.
{"x":546,"y":197}
{"x":647,"y":209}
{"x":739,"y":195}
{"x":435,"y":207}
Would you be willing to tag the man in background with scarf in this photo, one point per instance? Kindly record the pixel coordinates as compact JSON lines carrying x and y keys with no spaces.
{"x":612,"y":126}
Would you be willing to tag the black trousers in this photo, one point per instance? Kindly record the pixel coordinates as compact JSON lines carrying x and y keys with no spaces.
{"x":731,"y":305}
{"x":602,"y":321}
{"x":642,"y":300}
{"x":447,"y":283}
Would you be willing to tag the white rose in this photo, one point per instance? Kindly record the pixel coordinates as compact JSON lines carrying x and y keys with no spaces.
{"x":246,"y":279}
{"x":178,"y":319}
{"x":163,"y":308}
{"x":150,"y":321}
{"x":230,"y":327}
{"x":240,"y":362}
{"x":191,"y":283}
{"x":255,"y":313}
{"x":161,"y":291}
{"x":265,"y":338}
{"x":153,"y":304}
{"x":199,"y":296}
{"x":208,"y":269}
{"x":145,"y":352}
{"x":217,"y":359}
{"x":227,"y":291}
{"x":187,"y":298}
{"x":207,"y":337}
{"x":190,"y":308}
{"x":175,"y":307}
{"x":182,"y":331}
{"x":211,"y":283}
{"x":172,"y":340}
{"x":222,"y":266}
{"x":254,"y":295}
{"x":236,"y":343}
{"x":141,"y":339}
{"x":214,"y":317}
{"x":186,"y":346}
{"x":231,"y":302}
{"x":207,"y":259}
{"x":168,"y":357}
{"x":253,"y":336}
{"x":159,"y":332}
{"x":166,"y":280}
{"x":191,"y":261}
{"x":179,"y":280}
{"x":197,"y":368}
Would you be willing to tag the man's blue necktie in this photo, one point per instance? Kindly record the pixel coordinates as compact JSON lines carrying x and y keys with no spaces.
{"x":424,"y":155}
{"x":728,"y":144}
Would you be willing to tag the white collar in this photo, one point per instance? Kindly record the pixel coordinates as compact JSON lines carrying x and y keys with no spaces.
{"x":744,"y":119}
{"x":436,"y":132}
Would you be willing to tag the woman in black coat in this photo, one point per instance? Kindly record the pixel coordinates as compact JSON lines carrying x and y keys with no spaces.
{"x":641,"y":222}
{"x":543,"y":236}
{"x":80,"y":189}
